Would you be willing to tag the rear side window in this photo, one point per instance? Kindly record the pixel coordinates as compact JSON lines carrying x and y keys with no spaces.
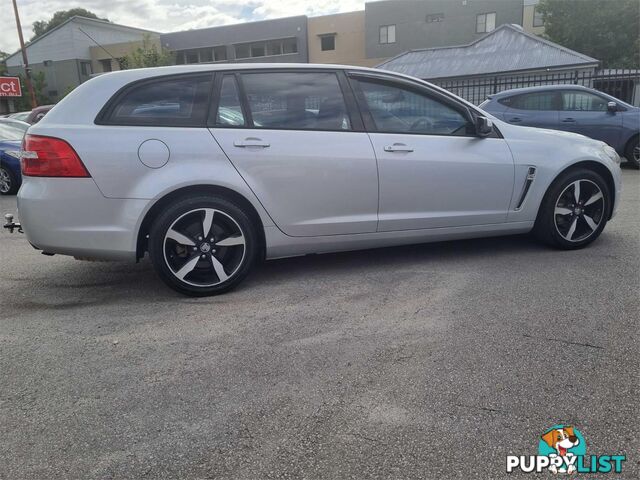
{"x":300,"y":101}
{"x":173,"y":102}
{"x":532,"y":101}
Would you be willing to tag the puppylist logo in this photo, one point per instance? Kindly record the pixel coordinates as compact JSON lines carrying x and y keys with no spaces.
{"x":562,"y":450}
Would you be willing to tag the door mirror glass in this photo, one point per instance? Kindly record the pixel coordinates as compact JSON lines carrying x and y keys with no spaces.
{"x":612,"y":106}
{"x":484,"y":126}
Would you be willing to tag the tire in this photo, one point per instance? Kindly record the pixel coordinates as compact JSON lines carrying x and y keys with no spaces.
{"x":198,"y":265}
{"x":9,"y":184}
{"x":632,"y":152}
{"x":564,"y":223}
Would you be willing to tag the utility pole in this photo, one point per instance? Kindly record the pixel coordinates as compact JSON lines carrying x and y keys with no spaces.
{"x":27,"y":70}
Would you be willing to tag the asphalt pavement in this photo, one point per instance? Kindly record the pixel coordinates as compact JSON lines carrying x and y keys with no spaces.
{"x":431,"y":361}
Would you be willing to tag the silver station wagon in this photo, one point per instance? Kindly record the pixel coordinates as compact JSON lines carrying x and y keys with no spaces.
{"x":211,"y":168}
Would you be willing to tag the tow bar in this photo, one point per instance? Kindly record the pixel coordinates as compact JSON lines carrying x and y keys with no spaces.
{"x":11,"y":225}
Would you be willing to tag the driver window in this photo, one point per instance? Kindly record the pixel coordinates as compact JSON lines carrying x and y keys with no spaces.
{"x":399,"y":110}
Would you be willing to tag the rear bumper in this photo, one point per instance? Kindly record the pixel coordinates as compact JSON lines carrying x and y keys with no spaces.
{"x":70,"y":216}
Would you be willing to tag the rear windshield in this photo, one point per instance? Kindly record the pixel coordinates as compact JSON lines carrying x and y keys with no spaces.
{"x":11,"y":132}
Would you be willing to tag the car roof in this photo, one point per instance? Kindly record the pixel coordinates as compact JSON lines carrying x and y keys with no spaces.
{"x":516,"y":91}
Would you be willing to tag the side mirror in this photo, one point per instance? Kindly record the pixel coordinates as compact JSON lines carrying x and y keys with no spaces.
{"x":484,"y":126}
{"x":612,"y":107}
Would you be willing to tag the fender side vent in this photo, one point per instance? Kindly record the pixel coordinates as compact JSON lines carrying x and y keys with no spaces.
{"x":531,"y":175}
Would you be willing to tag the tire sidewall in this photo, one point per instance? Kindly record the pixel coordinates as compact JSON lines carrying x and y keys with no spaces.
{"x":547,"y":218}
{"x":166,"y":219}
{"x":629,"y":153}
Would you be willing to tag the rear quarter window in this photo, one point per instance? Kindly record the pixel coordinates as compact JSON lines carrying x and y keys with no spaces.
{"x":179,"y":101}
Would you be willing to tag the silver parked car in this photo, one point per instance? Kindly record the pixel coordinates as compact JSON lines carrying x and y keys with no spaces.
{"x":210,"y":168}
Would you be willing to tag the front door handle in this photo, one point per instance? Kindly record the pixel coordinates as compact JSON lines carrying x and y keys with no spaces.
{"x":398,"y":147}
{"x":515,"y":120}
{"x":251,"y":142}
{"x":568,"y":120}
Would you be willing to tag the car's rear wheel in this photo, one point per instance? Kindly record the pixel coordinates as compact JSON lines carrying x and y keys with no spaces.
{"x":574,"y":210}
{"x":203,"y":246}
{"x":8,"y":183}
{"x":632,"y":152}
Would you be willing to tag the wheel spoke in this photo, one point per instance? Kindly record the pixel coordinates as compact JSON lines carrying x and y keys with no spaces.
{"x":563,"y":211}
{"x":219,"y":268}
{"x":572,"y":229}
{"x":594,"y":198}
{"x":592,"y":225}
{"x":180,"y":238}
{"x":231,"y":241}
{"x":207,"y":221}
{"x":187,"y":267}
{"x":576,"y":190}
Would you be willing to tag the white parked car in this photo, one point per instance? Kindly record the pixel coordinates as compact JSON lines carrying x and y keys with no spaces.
{"x":209,"y":168}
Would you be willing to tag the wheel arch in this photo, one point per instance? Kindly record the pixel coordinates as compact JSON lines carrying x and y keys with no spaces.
{"x":632,"y":138}
{"x":597,"y":167}
{"x":192,"y":190}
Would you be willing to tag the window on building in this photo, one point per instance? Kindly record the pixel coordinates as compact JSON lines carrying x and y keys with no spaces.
{"x":205,"y":55}
{"x":106,"y":65}
{"x":85,"y":68}
{"x":266,"y":48}
{"x":399,"y":110}
{"x":532,"y":101}
{"x":388,"y":34}
{"x":220,"y":53}
{"x":486,"y":22}
{"x":538,"y":19}
{"x":172,"y":101}
{"x":229,"y":112}
{"x":191,"y":56}
{"x":435,"y":18}
{"x":300,"y":101}
{"x":583,"y":102}
{"x":327,"y":42}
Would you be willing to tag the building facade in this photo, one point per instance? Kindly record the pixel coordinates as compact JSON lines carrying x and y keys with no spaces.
{"x":63,"y":54}
{"x":283,"y":40}
{"x":110,"y":58}
{"x":396,"y":26}
{"x":339,"y":39}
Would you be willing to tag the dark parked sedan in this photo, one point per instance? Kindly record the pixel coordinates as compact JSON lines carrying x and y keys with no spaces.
{"x":572,"y":108}
{"x":11,"y":133}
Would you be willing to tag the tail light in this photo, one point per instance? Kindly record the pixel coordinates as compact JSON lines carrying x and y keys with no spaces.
{"x":50,"y":157}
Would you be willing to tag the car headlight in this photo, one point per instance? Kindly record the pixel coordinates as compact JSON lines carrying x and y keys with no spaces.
{"x":14,"y":153}
{"x":611,"y":153}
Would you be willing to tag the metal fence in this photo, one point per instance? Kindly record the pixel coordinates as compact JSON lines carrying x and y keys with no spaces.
{"x":622,"y":84}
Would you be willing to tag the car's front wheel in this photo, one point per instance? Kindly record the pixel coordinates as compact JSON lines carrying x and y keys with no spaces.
{"x":574,"y":210}
{"x":8,"y":183}
{"x":632,"y":152}
{"x":203,"y":246}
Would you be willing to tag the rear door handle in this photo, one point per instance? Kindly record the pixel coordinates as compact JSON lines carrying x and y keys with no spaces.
{"x":398,"y":147}
{"x":568,"y":120}
{"x":251,"y":142}
{"x":515,"y":120}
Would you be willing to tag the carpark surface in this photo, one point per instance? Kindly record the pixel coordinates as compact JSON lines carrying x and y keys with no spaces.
{"x":429,"y":361}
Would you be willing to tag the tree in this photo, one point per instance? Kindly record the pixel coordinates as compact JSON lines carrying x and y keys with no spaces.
{"x":608,"y":30}
{"x":147,"y":55}
{"x":3,"y":65}
{"x":42,"y":26}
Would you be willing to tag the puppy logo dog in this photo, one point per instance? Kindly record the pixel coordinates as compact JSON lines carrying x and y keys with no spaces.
{"x":563,"y":440}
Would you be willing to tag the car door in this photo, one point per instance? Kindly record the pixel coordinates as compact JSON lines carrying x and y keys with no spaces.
{"x":305,"y":156}
{"x":534,"y":109}
{"x":587,"y":113}
{"x":433,"y":172}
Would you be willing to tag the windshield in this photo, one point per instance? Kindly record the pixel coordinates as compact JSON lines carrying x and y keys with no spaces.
{"x":11,"y":132}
